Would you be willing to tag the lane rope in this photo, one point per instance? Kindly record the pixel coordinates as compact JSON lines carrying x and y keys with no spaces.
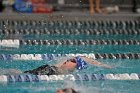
{"x":69,"y":31}
{"x":17,"y":43}
{"x":55,"y":56}
{"x":80,"y":42}
{"x":77,"y":24}
{"x":77,"y":77}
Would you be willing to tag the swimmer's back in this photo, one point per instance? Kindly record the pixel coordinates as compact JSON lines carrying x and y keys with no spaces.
{"x":44,"y":70}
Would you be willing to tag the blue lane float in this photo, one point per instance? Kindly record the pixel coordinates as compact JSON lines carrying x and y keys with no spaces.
{"x":6,"y":57}
{"x":70,"y":77}
{"x":23,"y":78}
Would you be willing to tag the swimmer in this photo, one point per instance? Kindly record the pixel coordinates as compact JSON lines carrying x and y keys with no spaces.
{"x":65,"y":67}
{"x":40,"y":6}
{"x":66,"y":90}
{"x":97,"y":9}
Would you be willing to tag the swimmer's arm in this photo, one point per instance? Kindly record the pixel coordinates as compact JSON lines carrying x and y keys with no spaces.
{"x":96,"y":63}
{"x":10,"y":71}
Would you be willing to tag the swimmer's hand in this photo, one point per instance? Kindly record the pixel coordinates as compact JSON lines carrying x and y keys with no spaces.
{"x":10,"y":72}
{"x":96,"y":63}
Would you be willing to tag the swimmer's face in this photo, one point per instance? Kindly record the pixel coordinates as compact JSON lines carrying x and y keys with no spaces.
{"x":59,"y":91}
{"x":69,"y":64}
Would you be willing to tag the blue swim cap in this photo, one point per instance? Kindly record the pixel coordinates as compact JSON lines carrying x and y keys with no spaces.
{"x":81,"y":64}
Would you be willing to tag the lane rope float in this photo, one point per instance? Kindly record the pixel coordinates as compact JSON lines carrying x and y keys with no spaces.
{"x":80,"y":42}
{"x":130,"y":24}
{"x":70,"y":77}
{"x":17,"y":43}
{"x":10,"y":43}
{"x":70,"y":31}
{"x":55,"y":56}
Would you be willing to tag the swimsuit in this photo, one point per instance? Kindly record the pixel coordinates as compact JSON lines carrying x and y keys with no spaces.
{"x":44,"y":70}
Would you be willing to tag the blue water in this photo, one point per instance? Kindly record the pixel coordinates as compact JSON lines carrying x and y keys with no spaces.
{"x":121,"y":65}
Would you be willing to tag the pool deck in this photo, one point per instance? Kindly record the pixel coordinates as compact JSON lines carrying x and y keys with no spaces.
{"x":73,"y":15}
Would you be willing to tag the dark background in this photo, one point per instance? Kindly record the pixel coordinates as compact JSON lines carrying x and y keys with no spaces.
{"x":127,"y":5}
{"x":78,"y":4}
{"x":106,"y":2}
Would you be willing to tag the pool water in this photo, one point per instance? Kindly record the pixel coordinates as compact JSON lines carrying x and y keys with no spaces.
{"x":122,"y":66}
{"x":107,"y":86}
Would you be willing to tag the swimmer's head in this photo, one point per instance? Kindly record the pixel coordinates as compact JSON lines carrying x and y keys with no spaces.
{"x":66,"y":90}
{"x":69,"y":64}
